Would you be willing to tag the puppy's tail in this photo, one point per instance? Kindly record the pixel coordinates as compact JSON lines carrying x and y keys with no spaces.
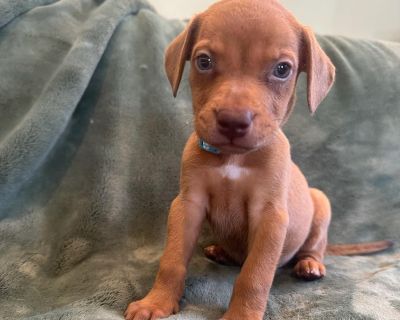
{"x":358,"y":248}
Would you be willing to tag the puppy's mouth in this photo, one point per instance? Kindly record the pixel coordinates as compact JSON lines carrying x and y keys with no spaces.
{"x":218,"y":143}
{"x":232,"y":147}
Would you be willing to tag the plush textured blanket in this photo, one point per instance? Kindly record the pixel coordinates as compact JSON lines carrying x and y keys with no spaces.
{"x":90,"y":142}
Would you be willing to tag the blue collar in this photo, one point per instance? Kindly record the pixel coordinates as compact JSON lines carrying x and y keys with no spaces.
{"x":207,"y":147}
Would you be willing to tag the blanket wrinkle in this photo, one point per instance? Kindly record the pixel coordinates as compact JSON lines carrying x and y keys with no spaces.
{"x":90,"y":146}
{"x":10,"y":9}
{"x":58,"y":99}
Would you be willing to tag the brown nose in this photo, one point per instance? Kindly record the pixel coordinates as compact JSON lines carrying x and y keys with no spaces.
{"x":234,"y":123}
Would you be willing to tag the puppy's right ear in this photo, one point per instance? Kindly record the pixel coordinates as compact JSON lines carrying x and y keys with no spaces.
{"x":178,"y":52}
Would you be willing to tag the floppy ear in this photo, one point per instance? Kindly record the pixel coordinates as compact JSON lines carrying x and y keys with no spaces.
{"x":319,"y":68}
{"x":178,"y":52}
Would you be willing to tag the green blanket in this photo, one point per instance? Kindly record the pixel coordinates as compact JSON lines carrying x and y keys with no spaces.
{"x":90,"y":145}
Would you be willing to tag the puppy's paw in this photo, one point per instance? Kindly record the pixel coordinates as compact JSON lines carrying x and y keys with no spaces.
{"x":150,"y":308}
{"x":218,"y":255}
{"x":309,"y":269}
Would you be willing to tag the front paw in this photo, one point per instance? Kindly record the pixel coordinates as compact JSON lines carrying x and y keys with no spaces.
{"x":152,"y":307}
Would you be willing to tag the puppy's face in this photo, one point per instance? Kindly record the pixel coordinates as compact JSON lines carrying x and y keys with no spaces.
{"x":243,"y":75}
{"x":245,"y":58}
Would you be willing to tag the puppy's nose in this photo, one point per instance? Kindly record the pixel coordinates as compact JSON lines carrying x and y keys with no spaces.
{"x":234,"y":123}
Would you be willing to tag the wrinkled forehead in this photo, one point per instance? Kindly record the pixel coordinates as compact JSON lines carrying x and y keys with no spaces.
{"x":248,"y":25}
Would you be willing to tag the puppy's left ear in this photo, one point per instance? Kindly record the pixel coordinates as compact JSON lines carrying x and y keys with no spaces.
{"x":178,"y":52}
{"x":319,"y":68}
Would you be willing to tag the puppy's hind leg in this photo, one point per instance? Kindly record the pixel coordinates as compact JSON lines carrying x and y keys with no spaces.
{"x":310,"y":257}
{"x":218,"y":254}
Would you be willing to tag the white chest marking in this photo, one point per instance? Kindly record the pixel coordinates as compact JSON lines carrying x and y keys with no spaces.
{"x":233,"y":171}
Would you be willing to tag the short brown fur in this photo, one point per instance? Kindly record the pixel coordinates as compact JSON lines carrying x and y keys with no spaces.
{"x":255,"y":198}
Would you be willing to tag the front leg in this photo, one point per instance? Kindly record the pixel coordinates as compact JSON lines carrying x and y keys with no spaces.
{"x":184,"y":224}
{"x":267,"y":234}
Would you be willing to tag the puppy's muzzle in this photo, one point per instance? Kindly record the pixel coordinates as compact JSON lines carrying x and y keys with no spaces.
{"x":234,"y":123}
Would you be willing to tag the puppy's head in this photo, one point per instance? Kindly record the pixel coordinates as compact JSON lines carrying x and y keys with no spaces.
{"x":245,"y":58}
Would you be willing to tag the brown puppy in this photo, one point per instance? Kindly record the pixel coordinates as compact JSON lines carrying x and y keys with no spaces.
{"x":237,"y":171}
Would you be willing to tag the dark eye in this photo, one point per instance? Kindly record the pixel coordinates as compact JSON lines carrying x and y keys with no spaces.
{"x":204,"y":62}
{"x":282,"y":70}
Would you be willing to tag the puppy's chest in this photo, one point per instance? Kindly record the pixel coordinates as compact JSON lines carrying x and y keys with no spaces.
{"x":232,"y":173}
{"x":230,"y":187}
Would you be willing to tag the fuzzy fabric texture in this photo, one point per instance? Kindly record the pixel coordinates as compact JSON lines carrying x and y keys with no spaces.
{"x":90,"y":145}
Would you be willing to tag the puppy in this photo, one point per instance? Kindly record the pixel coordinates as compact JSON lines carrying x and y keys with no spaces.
{"x":237,"y":172}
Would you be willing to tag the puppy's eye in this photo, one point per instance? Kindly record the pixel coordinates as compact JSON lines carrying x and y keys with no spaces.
{"x":282,"y":70}
{"x":204,"y":62}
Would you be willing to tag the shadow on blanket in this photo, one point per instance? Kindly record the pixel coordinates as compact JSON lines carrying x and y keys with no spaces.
{"x":90,"y":141}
